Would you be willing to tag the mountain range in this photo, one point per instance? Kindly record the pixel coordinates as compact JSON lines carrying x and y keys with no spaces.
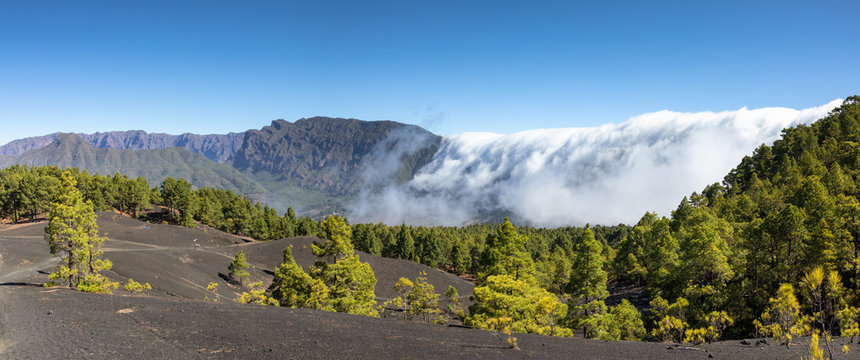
{"x":311,"y":164}
{"x":218,"y":148}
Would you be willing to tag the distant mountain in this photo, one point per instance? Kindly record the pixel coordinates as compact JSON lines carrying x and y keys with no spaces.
{"x":154,"y":165}
{"x":336,"y":155}
{"x":20,"y":146}
{"x":315,"y":165}
{"x":216,"y":147}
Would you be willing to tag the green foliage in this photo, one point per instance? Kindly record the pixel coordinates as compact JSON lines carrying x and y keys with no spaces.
{"x":237,"y":268}
{"x":257,"y":295}
{"x":177,"y":195}
{"x":823,"y":291}
{"x":231,"y":213}
{"x":705,"y":262}
{"x":508,"y":292}
{"x":782,"y":319}
{"x":405,"y":244}
{"x":849,"y":322}
{"x":136,"y":288}
{"x":589,"y":317}
{"x":131,"y":195}
{"x":648,"y":254}
{"x":365,"y":239}
{"x":669,"y":328}
{"x":622,"y":322}
{"x":344,"y":284}
{"x":459,"y":258}
{"x":587,"y":275}
{"x":815,"y":352}
{"x":416,"y":299}
{"x":526,"y":307}
{"x":717,"y":321}
{"x":587,"y":287}
{"x":725,"y":253}
{"x":339,"y":245}
{"x":293,"y":287}
{"x":351,"y":285}
{"x":505,"y":254}
{"x":670,"y":322}
{"x":72,"y":234}
{"x":153,"y":165}
{"x":212,"y":288}
{"x":454,"y":308}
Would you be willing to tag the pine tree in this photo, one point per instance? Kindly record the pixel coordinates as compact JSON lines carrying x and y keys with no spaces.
{"x":587,"y":286}
{"x":292,"y":287}
{"x":705,"y":258}
{"x":405,"y":244}
{"x":72,"y":233}
{"x":459,"y":258}
{"x":587,"y":277}
{"x":505,"y":254}
{"x":237,"y":268}
{"x":522,"y":304}
{"x":453,"y":308}
{"x":782,"y":319}
{"x":351,"y":283}
{"x":416,"y":298}
{"x":177,"y":195}
{"x":624,"y":322}
{"x":823,"y":291}
{"x":431,"y":251}
{"x":508,"y":291}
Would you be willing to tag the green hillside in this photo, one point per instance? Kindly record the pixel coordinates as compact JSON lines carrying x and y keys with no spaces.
{"x":153,"y":165}
{"x":784,"y":212}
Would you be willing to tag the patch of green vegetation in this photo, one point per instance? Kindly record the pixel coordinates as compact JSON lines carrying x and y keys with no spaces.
{"x":313,"y":203}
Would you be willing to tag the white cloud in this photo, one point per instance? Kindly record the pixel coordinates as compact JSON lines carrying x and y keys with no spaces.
{"x":602,"y":175}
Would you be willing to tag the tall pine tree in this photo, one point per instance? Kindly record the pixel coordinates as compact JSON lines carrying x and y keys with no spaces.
{"x":72,"y":234}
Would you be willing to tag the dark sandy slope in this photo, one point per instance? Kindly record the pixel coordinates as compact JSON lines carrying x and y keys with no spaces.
{"x":174,"y":322}
{"x":58,"y":323}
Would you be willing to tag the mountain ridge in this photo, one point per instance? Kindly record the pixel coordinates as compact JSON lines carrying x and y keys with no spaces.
{"x":153,"y":164}
{"x":329,"y":154}
{"x":314,"y":164}
{"x":217,"y":147}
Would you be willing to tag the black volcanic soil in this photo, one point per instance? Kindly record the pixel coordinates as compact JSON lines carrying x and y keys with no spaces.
{"x":174,"y":322}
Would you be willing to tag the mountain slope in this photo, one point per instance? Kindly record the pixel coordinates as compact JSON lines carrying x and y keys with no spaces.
{"x":315,"y":165}
{"x":154,"y":165}
{"x":216,"y":147}
{"x":17,"y":147}
{"x":333,"y":154}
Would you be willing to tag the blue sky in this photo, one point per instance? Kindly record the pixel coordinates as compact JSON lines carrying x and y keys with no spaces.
{"x":450,"y":66}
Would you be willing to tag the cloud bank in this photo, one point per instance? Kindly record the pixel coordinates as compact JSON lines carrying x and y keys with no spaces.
{"x":557,"y":177}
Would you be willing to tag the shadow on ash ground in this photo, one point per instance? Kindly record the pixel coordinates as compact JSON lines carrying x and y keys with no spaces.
{"x":173,"y":321}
